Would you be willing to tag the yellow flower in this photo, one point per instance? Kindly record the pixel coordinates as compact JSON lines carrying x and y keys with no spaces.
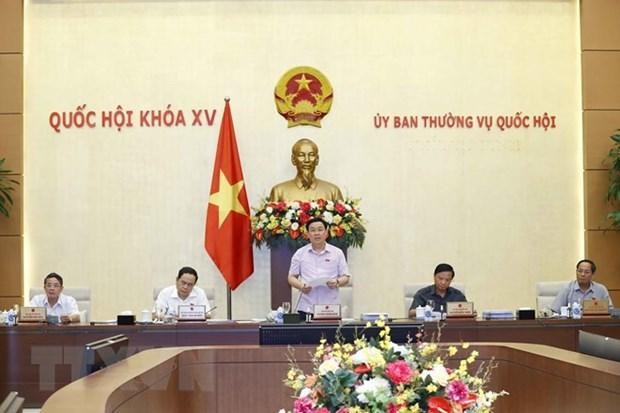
{"x":465,"y":346}
{"x":292,"y":373}
{"x":452,"y":351}
{"x":463,"y":366}
{"x":414,"y":409}
{"x":472,"y":357}
{"x":428,"y":349}
{"x":431,"y":388}
{"x":380,"y":322}
{"x":368,"y":325}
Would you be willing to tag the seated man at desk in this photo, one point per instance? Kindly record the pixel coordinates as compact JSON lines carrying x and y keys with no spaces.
{"x":582,"y":288}
{"x":438,"y":294}
{"x":318,"y":269}
{"x":55,"y":302}
{"x":184,"y":291}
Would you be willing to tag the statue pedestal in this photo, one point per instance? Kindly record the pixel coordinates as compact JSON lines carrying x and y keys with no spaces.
{"x":280,"y":264}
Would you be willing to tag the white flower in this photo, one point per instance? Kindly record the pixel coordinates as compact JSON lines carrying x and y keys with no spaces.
{"x":305,"y":392}
{"x":329,"y":206}
{"x":438,"y":374}
{"x":314,"y":205}
{"x":295,"y":226}
{"x":397,"y":348}
{"x":328,"y":365}
{"x":347,"y":207}
{"x":328,"y":217}
{"x":373,"y":387}
{"x":294,"y":205}
{"x":370,"y":356}
{"x":269,"y":210}
{"x":289,"y":214}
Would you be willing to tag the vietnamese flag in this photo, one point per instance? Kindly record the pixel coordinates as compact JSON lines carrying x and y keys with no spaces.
{"x":228,"y":234}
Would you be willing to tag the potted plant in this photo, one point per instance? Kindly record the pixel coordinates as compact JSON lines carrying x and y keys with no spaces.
{"x":7,"y":185}
{"x":613,"y":193}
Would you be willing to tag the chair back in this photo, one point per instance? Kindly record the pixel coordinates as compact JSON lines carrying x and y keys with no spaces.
{"x":598,"y":346}
{"x":81,"y":295}
{"x":546,"y":291}
{"x":409,"y":291}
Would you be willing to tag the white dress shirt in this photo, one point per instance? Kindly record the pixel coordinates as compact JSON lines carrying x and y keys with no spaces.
{"x":169,"y":300}
{"x":66,"y":305}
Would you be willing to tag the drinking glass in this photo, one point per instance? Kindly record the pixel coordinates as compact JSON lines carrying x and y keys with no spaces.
{"x":431,"y":304}
{"x":286,"y":307}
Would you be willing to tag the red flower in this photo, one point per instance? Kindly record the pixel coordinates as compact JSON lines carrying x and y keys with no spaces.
{"x":303,"y":218}
{"x":394,"y":408}
{"x":469,"y":401}
{"x":294,"y":233}
{"x":259,"y":235}
{"x":340,"y":208}
{"x":362,"y":368}
{"x":322,"y":410}
{"x":438,"y":404}
{"x":321,"y":202}
{"x":305,"y":206}
{"x":343,"y":409}
{"x":398,"y":372}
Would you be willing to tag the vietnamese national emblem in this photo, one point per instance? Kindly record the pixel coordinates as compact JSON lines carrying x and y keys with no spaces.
{"x":303,"y":96}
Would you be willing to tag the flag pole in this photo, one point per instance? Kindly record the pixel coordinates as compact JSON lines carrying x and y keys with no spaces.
{"x":228,"y":302}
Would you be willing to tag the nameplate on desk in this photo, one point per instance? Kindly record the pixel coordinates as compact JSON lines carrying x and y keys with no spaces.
{"x":326,"y":312}
{"x":189,"y":312}
{"x":32,"y":315}
{"x":595,"y":307}
{"x":460,"y":309}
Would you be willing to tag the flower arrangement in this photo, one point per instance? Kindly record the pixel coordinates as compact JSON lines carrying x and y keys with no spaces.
{"x":284,"y":222}
{"x":377,"y":375}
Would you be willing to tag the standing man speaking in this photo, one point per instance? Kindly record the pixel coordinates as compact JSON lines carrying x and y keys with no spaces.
{"x":318,"y":269}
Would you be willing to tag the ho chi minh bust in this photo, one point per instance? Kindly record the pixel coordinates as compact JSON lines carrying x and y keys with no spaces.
{"x":305,"y":186}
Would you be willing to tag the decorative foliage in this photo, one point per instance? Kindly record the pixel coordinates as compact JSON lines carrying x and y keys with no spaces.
{"x":613,"y":193}
{"x":377,"y":376}
{"x":274,"y":223}
{"x":7,"y":186}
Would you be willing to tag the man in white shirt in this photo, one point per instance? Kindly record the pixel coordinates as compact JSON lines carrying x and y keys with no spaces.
{"x":183,"y":292}
{"x":55,"y":302}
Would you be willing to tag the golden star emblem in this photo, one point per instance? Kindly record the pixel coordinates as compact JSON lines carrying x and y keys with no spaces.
{"x":303,"y":83}
{"x":227,"y":199}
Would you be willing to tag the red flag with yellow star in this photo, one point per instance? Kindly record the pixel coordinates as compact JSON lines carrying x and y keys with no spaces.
{"x":228,"y":235}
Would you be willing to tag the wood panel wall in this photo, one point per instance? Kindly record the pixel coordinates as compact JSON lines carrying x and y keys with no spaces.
{"x":11,"y":147}
{"x":600,"y":59}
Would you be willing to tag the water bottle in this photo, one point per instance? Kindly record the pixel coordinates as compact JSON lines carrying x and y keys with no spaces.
{"x":428,"y":313}
{"x":11,"y":318}
{"x":576,"y":310}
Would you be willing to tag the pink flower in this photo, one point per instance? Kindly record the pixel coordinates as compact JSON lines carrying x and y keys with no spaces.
{"x":457,"y":391}
{"x":303,"y":405}
{"x":398,"y":372}
{"x":322,"y":410}
{"x":343,"y":409}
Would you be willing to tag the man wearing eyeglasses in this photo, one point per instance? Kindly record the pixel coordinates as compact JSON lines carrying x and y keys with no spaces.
{"x":184,"y":291}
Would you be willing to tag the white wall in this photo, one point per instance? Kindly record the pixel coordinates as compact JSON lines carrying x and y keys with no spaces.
{"x":120,"y":212}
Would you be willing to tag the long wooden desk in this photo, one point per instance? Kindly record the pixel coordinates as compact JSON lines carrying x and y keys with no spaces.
{"x":37,"y":360}
{"x":249,"y":379}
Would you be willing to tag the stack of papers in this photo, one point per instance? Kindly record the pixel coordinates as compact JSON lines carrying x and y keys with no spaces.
{"x":374,"y":316}
{"x":498,"y":314}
